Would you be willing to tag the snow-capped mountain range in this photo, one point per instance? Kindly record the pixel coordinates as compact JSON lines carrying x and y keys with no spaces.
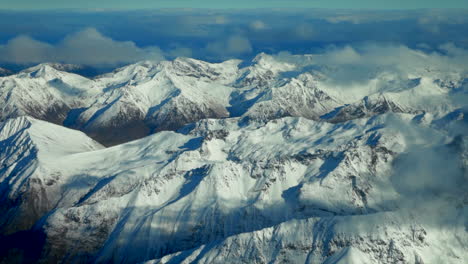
{"x":271,"y":162}
{"x":146,"y":97}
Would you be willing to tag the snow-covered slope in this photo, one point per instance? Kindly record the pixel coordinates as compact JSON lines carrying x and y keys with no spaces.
{"x":295,"y":97}
{"x":263,"y":72}
{"x":369,"y":106}
{"x":385,"y":237}
{"x":147,"y":97}
{"x":274,"y":162}
{"x":28,"y":148}
{"x":66,"y":67}
{"x":43,"y":92}
{"x":289,"y":189}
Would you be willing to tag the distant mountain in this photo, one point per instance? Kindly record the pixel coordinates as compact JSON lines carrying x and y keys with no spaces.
{"x":5,"y":72}
{"x":367,"y":107}
{"x":146,"y":97}
{"x":65,"y":67}
{"x":84,"y":70}
{"x":43,"y":92}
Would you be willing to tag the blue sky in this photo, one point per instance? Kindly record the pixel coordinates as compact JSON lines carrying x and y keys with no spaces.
{"x":141,"y":4}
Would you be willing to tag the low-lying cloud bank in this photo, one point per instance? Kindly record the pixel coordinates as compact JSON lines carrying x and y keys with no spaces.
{"x":88,"y":47}
{"x":120,"y":37}
{"x":362,"y":59}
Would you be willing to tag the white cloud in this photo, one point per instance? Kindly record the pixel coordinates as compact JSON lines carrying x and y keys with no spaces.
{"x":385,"y":57}
{"x":305,"y":31}
{"x":370,"y":68}
{"x":238,"y":45}
{"x":364,"y":17}
{"x":87,"y":47}
{"x":24,"y":49}
{"x":200,"y":20}
{"x":220,"y":20}
{"x":180,"y":51}
{"x":258,"y":25}
{"x":234,"y":45}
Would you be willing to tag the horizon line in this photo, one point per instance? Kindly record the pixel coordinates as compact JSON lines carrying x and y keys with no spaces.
{"x":235,"y":8}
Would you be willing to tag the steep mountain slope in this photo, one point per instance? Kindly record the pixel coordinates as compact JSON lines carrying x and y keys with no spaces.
{"x":71,"y":68}
{"x":387,"y":237}
{"x":263,"y":72}
{"x":28,"y":148}
{"x":146,"y":97}
{"x":288,"y":189}
{"x":296,"y":97}
{"x":385,"y":92}
{"x":369,"y":106}
{"x":282,"y":160}
{"x":43,"y":92}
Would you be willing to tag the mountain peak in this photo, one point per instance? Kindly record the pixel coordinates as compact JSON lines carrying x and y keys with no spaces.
{"x":262,"y":57}
{"x":5,"y":72}
{"x":46,"y":136}
{"x":270,"y":63}
{"x":43,"y":70}
{"x":65,"y":66}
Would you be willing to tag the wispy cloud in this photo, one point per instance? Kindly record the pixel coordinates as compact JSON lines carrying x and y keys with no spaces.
{"x":258,"y":25}
{"x":232,"y":46}
{"x":377,"y":57}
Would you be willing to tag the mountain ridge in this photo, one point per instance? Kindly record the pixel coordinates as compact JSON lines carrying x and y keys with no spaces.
{"x":273,"y":173}
{"x":146,"y":97}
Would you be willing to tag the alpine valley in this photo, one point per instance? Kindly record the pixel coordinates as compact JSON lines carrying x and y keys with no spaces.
{"x":268,"y":161}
